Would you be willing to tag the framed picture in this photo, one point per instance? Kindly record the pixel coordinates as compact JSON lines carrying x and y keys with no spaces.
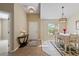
{"x":77,"y":25}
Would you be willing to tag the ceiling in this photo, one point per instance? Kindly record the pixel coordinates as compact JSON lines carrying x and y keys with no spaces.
{"x":53,"y":10}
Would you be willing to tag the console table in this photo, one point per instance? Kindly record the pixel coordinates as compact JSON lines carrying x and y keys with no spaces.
{"x":24,"y":39}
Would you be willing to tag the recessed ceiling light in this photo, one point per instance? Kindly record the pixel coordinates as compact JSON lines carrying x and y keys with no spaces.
{"x":31,"y":9}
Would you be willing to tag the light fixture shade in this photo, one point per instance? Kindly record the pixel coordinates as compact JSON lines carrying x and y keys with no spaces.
{"x":63,"y":19}
{"x":31,"y":9}
{"x":62,"y":11}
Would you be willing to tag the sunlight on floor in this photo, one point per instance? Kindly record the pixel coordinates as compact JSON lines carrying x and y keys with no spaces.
{"x":49,"y":49}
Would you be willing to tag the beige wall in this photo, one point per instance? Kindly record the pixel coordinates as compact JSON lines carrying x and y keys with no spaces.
{"x":20,"y":22}
{"x":44,"y":28}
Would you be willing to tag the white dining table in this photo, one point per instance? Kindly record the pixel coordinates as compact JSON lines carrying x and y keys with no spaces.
{"x":67,"y":34}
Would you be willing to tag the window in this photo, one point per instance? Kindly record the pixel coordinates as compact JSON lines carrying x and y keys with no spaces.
{"x":4,"y":15}
{"x":52,"y":29}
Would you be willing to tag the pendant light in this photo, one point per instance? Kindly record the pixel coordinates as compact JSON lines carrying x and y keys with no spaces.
{"x":62,"y":15}
{"x":62,"y":11}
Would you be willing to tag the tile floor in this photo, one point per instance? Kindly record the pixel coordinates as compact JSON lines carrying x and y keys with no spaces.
{"x":49,"y":48}
{"x":46,"y":49}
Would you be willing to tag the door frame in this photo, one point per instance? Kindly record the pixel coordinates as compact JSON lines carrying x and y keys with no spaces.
{"x":11,"y":30}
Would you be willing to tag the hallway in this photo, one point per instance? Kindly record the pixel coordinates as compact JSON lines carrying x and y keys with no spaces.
{"x":32,"y":49}
{"x":44,"y":49}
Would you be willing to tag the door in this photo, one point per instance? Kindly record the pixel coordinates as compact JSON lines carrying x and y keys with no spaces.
{"x":4,"y":33}
{"x":33,"y":30}
{"x":4,"y":36}
{"x":4,"y":25}
{"x":5,"y":30}
{"x":0,"y":29}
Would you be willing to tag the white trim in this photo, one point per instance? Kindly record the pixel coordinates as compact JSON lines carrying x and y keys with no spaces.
{"x":14,"y":50}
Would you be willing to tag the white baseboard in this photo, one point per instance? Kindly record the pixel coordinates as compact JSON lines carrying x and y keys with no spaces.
{"x":14,"y":50}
